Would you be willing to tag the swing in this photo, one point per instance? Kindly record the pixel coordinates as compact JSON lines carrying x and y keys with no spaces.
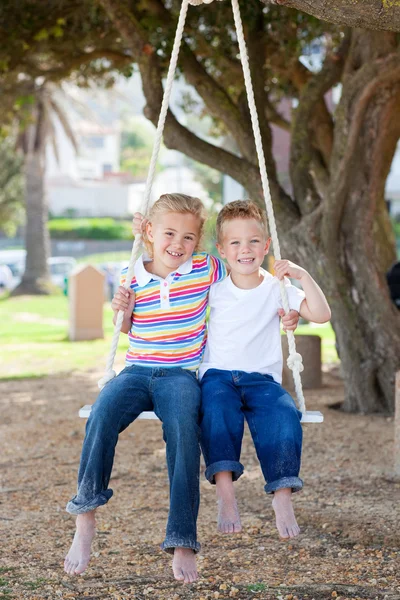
{"x":295,"y":361}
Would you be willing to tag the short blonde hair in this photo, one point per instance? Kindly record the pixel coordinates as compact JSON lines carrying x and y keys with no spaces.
{"x":240,"y":209}
{"x":177,"y":203}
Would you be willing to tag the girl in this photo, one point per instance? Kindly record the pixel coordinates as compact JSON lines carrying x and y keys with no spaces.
{"x":165,"y":312}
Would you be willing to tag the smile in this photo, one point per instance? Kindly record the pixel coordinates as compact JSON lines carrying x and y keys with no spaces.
{"x":174,"y":254}
{"x":245,"y":261}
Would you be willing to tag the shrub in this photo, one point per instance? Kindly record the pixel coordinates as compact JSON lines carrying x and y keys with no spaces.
{"x":90,"y":229}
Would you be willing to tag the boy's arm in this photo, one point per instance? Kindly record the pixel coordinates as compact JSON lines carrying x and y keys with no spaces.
{"x":315,"y":306}
{"x":124,"y":300}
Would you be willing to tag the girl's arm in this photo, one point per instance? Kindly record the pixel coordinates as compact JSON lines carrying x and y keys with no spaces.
{"x":124,"y":300}
{"x":315,"y":306}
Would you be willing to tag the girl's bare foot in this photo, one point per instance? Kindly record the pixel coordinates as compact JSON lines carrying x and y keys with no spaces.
{"x":78,"y":556}
{"x":228,"y":512}
{"x":285,"y":520}
{"x":184,"y":565}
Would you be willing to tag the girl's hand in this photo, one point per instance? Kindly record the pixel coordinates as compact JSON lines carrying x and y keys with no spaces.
{"x":124,"y":300}
{"x":285,"y":268}
{"x":138,"y":223}
{"x":289,"y":321}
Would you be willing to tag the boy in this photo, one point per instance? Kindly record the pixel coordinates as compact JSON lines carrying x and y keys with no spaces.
{"x":241,"y":370}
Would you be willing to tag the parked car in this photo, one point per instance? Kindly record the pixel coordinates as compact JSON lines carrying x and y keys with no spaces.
{"x":59,"y":267}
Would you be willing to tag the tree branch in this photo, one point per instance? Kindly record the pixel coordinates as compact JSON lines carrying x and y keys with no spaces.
{"x":367,"y":14}
{"x":370,"y":79}
{"x":305,"y":152}
{"x":217,"y":100}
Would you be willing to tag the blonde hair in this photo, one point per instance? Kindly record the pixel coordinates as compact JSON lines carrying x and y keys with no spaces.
{"x":240,"y":209}
{"x":177,"y":203}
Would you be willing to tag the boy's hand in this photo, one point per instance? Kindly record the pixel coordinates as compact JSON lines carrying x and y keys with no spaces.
{"x":124,"y":300}
{"x":289,"y":321}
{"x":138,"y":223}
{"x":285,"y":268}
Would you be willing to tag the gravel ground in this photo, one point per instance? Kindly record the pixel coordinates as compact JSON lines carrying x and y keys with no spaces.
{"x":348,"y":510}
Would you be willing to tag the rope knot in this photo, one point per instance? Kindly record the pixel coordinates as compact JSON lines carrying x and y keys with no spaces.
{"x":295,"y":362}
{"x":106,"y":378}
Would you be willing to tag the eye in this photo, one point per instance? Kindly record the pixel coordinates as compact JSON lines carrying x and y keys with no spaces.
{"x":169,"y":233}
{"x":255,"y":241}
{"x":233,"y":243}
{"x":188,"y":237}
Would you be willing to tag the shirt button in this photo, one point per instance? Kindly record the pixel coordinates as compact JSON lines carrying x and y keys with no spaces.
{"x":164,"y":297}
{"x":165,"y":283}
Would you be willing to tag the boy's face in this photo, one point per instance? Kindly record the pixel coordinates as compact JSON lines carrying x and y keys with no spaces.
{"x":244,"y":245}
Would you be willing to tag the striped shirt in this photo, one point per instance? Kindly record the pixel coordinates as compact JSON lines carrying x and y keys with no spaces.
{"x":169,"y":318}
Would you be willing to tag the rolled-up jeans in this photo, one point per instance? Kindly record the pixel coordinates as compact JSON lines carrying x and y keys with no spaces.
{"x":174,"y":395}
{"x":230,"y":397}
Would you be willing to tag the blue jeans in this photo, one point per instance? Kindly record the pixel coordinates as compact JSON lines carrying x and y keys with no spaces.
{"x":230,"y":397}
{"x":174,"y":395}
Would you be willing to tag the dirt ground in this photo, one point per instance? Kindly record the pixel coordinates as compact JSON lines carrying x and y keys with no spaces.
{"x":348,"y":510}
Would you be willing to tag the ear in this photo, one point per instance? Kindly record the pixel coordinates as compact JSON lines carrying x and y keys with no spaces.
{"x":220,"y":250}
{"x":267,"y":245}
{"x":149,"y":231}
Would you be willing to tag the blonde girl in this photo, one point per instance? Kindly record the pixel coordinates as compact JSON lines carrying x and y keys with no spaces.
{"x":164,"y":317}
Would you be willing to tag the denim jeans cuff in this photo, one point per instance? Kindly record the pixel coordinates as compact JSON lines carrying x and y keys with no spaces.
{"x":284,"y":482}
{"x":75,"y":508}
{"x":169,"y":545}
{"x":224,"y":465}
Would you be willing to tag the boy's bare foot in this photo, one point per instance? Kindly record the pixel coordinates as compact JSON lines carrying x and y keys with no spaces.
{"x":228,"y":512}
{"x":184,"y":565}
{"x":78,"y":556}
{"x":285,"y":520}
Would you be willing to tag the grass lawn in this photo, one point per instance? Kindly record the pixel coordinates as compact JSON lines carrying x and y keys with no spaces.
{"x":34,"y":339}
{"x":34,"y":336}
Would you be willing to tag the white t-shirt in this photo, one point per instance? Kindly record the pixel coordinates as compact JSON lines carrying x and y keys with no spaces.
{"x":243,"y":328}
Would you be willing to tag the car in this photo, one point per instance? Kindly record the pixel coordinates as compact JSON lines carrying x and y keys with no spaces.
{"x":59,"y":267}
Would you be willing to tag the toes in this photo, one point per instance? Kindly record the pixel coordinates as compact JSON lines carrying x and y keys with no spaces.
{"x":80,"y":568}
{"x":179,"y":575}
{"x":237,"y":528}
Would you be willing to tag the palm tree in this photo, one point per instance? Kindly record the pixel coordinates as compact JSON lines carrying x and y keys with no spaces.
{"x":38,"y":131}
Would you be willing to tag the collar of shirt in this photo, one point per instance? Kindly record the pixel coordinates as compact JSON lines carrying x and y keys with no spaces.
{"x":143,"y":277}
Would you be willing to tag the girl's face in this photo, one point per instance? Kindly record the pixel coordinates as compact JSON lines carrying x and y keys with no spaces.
{"x":174,"y":237}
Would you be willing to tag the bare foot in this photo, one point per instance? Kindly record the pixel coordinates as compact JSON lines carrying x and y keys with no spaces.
{"x":184,"y":565}
{"x":285,"y":520}
{"x":78,"y":556}
{"x":228,"y":512}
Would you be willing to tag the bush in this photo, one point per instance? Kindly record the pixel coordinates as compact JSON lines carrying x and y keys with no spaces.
{"x":90,"y":229}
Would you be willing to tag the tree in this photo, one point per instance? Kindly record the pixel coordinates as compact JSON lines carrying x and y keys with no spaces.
{"x":41,"y":45}
{"x":367,"y":14}
{"x":335,"y":222}
{"x":36,"y":134}
{"x":11,"y":188}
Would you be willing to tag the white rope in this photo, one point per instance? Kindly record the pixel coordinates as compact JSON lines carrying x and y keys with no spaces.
{"x":295,"y":361}
{"x":109,"y":372}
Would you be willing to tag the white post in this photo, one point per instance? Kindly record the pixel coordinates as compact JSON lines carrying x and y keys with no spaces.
{"x":397,"y":427}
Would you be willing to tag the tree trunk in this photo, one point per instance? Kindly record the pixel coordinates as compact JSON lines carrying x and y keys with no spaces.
{"x":36,"y":278}
{"x":355,"y":241}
